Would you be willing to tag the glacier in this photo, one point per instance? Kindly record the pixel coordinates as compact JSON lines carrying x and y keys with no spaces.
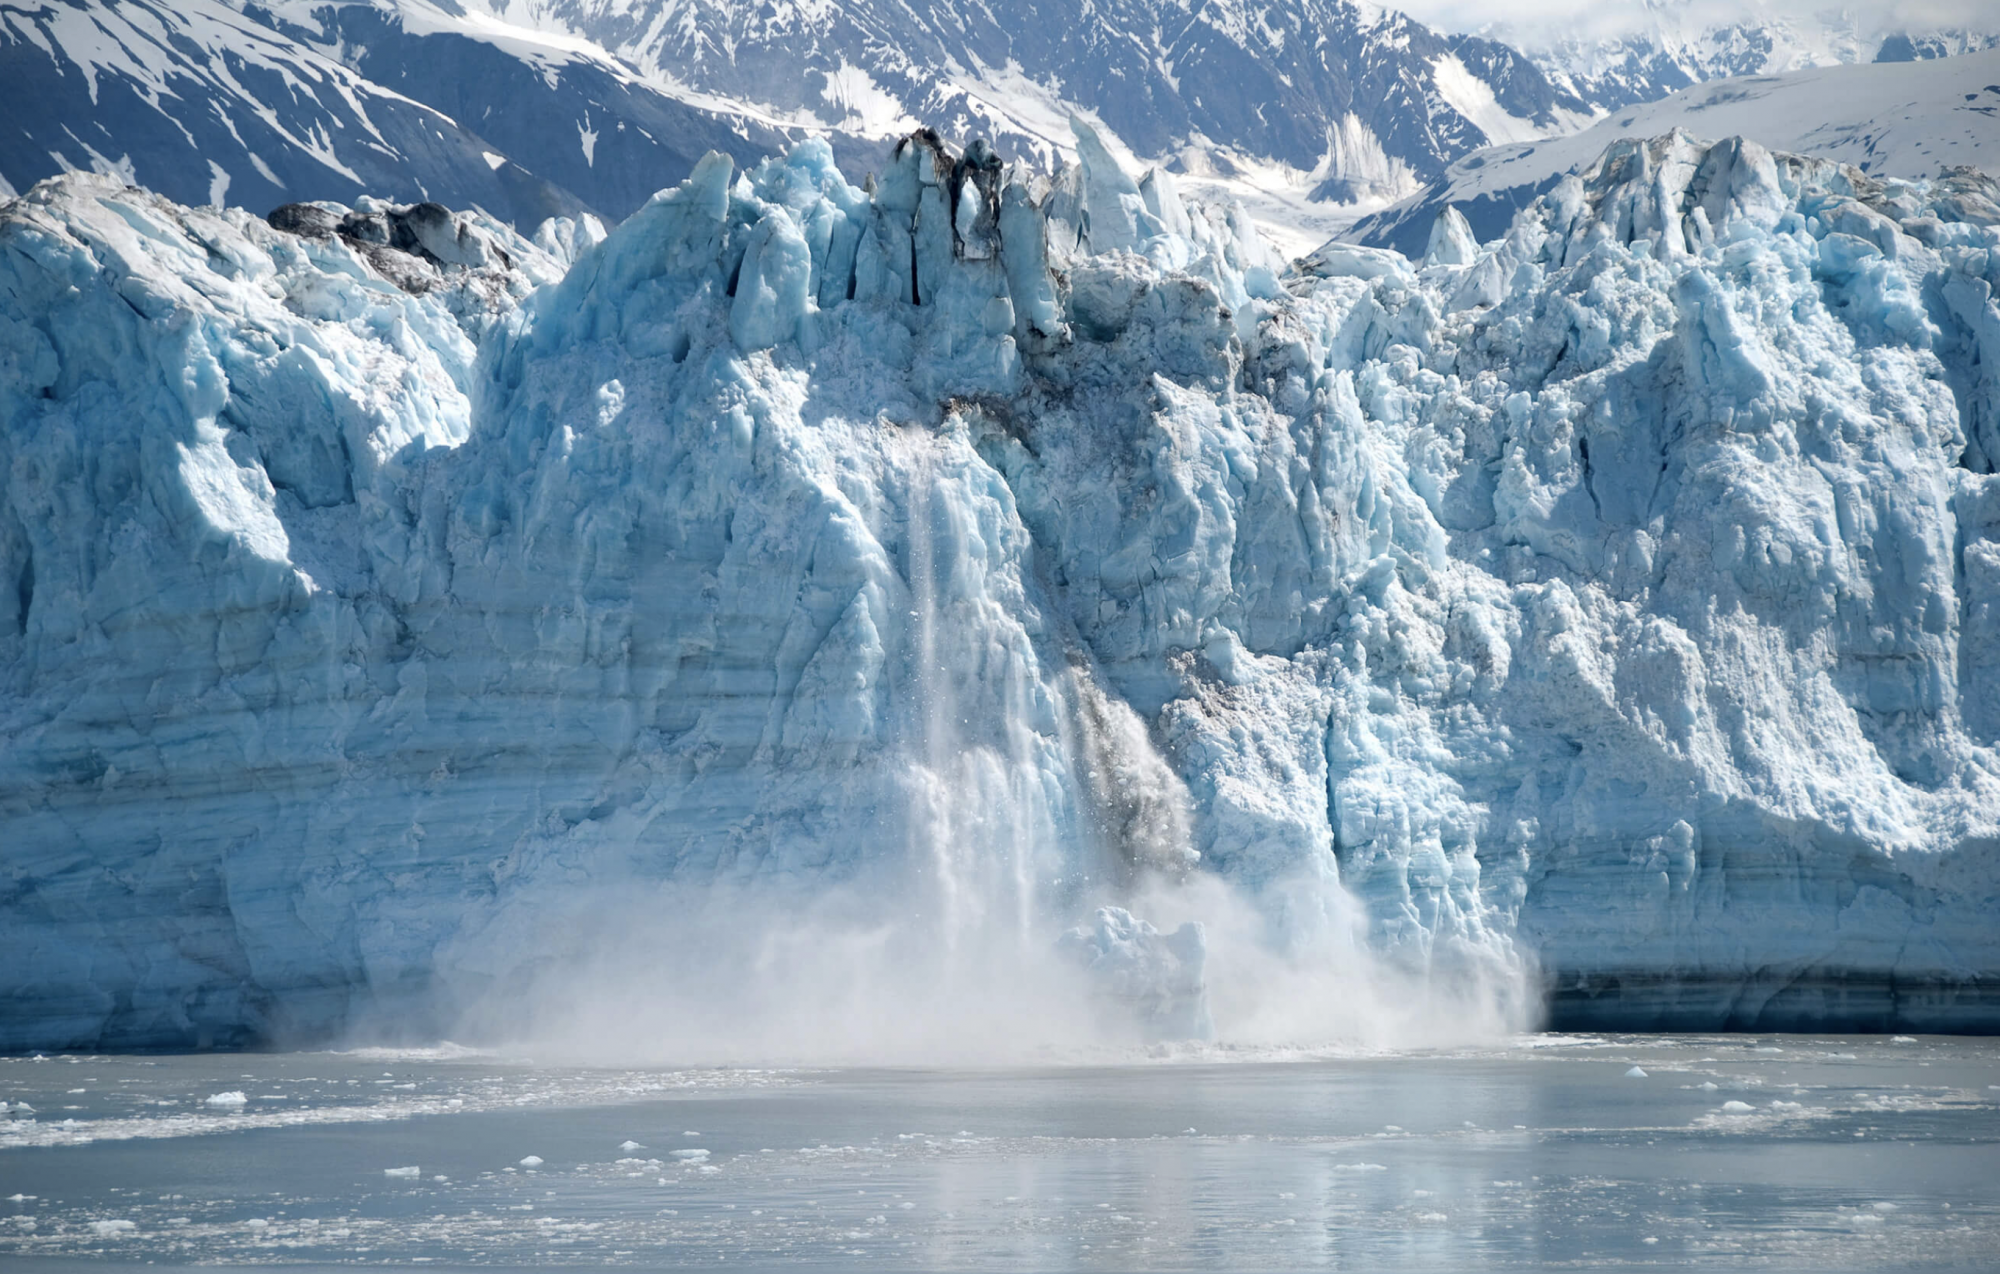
{"x":397,"y":611}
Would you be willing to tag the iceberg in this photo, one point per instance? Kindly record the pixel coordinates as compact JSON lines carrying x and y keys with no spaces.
{"x":1608,"y":613}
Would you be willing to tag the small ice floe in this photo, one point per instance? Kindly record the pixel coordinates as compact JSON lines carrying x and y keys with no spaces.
{"x":1883,"y":1206}
{"x":532,"y":1161}
{"x":23,"y":1108}
{"x":690,"y":1133}
{"x":112,"y":1228}
{"x":228,"y":1099}
{"x":629,"y":1146}
{"x":413,"y":1171}
{"x":1767,"y":1048}
{"x":1360,"y":1167}
{"x":1707,"y":1086}
{"x":1902,"y":1039}
{"x":690,"y":1156}
{"x":1738,"y":1108}
{"x":1786,"y":1105}
{"x":1636,"y":1072}
{"x":1649,"y":1240}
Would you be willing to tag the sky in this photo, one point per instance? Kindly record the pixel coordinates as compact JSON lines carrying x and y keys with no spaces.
{"x":1618,"y":17}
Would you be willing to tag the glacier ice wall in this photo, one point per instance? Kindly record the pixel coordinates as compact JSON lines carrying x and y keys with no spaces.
{"x":1617,"y":603}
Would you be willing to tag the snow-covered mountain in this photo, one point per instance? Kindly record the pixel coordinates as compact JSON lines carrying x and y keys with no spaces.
{"x":1646,"y":51}
{"x":537,"y":108}
{"x":1888,"y":119}
{"x":1350,"y":92}
{"x":208,"y":101}
{"x":808,"y":590}
{"x":198,"y":101}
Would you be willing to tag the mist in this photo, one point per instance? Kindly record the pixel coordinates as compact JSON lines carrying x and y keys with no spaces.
{"x":866,"y":973}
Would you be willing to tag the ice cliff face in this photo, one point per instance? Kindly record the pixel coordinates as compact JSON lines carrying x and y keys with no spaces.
{"x":1619,"y":600}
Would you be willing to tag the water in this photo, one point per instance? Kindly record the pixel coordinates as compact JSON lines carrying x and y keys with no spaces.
{"x":1864,"y":1153}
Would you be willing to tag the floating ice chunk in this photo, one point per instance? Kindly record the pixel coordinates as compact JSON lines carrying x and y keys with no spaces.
{"x":690,"y":1156}
{"x":1884,"y":1206}
{"x":1707,"y":1085}
{"x":532,"y":1161}
{"x":690,"y":1133}
{"x":1360,"y":1167}
{"x":411,"y":1171}
{"x":1635,"y":1073}
{"x":228,"y":1099}
{"x":1902,"y":1039}
{"x":1738,"y":1108}
{"x":629,"y":1146}
{"x":113,"y":1227}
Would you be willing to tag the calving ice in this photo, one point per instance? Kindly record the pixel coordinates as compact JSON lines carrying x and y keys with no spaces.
{"x":807,"y":611}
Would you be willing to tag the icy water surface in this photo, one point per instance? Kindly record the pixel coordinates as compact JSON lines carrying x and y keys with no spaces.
{"x":1780,"y":1152}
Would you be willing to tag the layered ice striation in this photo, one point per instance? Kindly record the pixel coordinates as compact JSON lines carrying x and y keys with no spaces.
{"x":1616,"y":603}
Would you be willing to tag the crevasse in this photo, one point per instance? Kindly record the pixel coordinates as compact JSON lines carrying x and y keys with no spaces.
{"x":1608,"y":611}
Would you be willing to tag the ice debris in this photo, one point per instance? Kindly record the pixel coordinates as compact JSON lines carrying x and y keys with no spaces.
{"x":1158,"y":976}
